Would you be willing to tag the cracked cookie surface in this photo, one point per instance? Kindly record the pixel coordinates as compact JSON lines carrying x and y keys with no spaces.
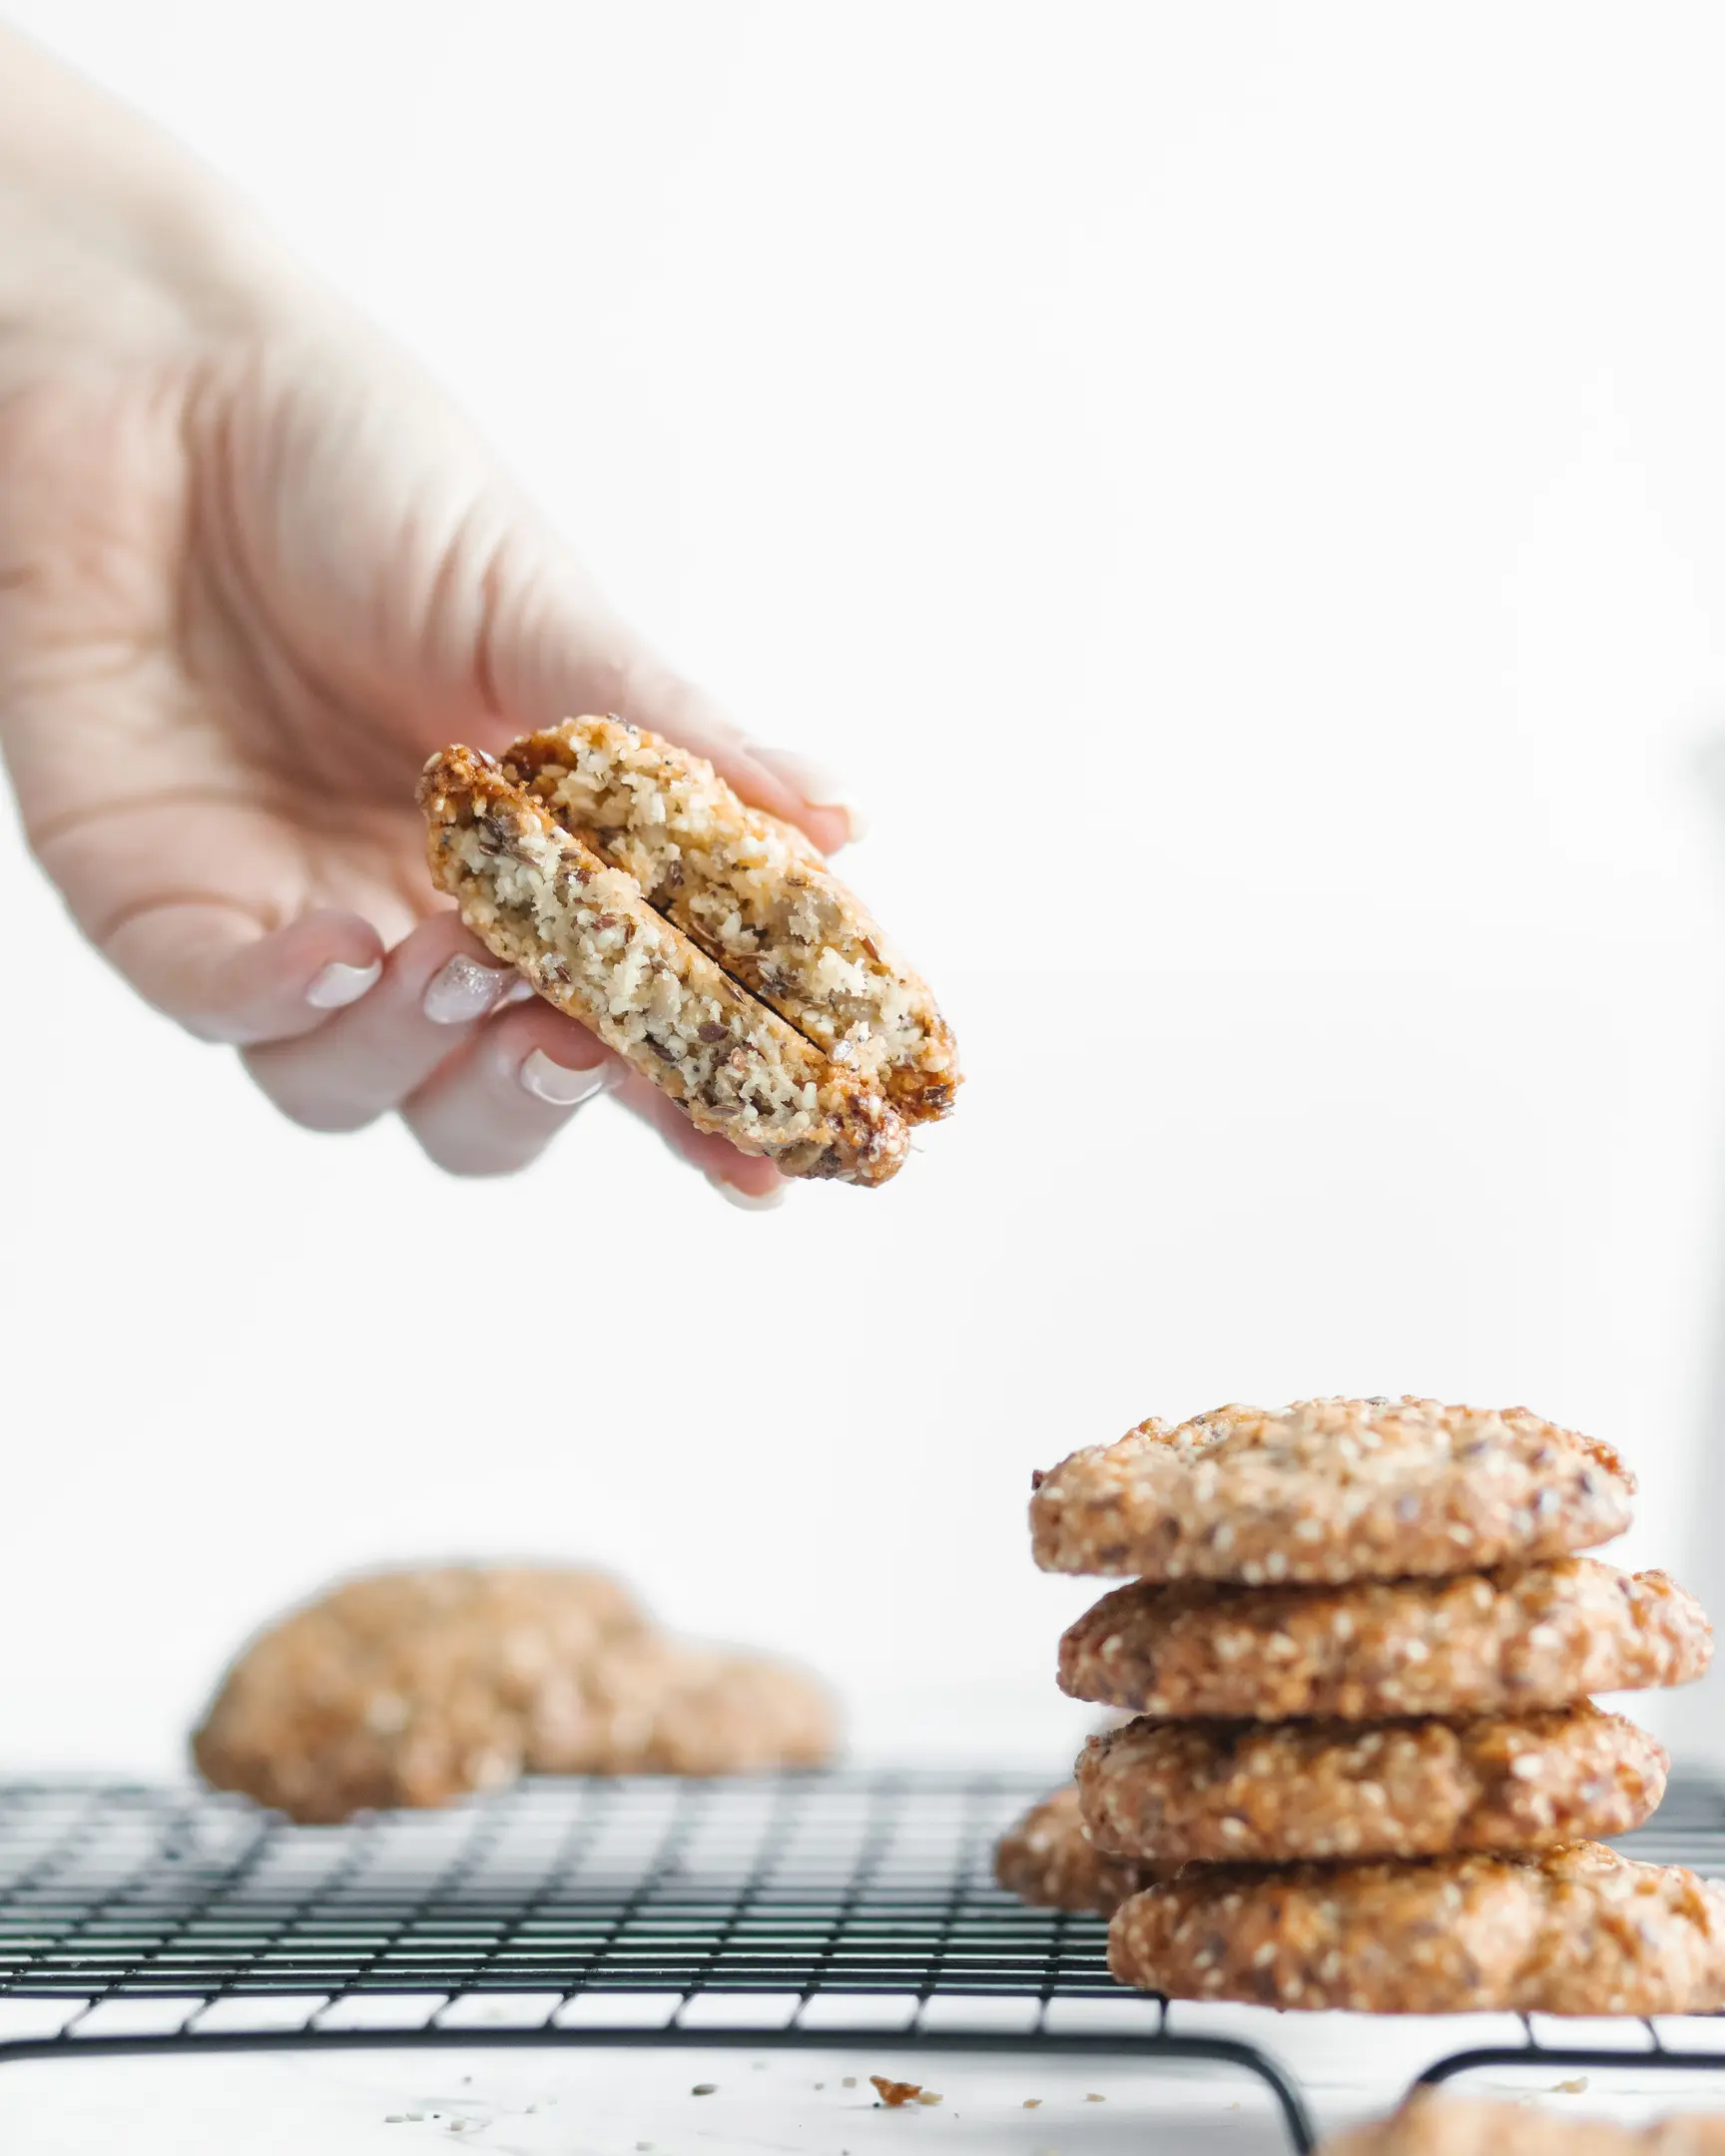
{"x":1575,"y":1931}
{"x":1518,"y":1638}
{"x":1330,"y":1491}
{"x":1272,"y":1793}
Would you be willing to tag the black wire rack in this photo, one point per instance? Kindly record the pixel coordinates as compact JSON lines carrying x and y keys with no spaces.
{"x":844,"y":1910}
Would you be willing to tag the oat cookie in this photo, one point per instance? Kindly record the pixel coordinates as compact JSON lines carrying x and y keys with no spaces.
{"x":1330,"y":1491}
{"x":753,"y":893}
{"x":1251,"y":1793}
{"x":1522,"y":1637}
{"x":1048,"y":1859}
{"x":1577,"y":1931}
{"x":414,"y":1688}
{"x":1430,"y":2124}
{"x":580,"y":930}
{"x":665,"y":1707}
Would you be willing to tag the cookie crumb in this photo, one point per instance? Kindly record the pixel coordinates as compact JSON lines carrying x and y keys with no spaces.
{"x":894,"y":2094}
{"x":1094,"y":2098}
{"x":850,"y":2081}
{"x":704,"y":2088}
{"x":1577,"y":2087}
{"x":1033,"y":2103}
{"x":927,"y":2096}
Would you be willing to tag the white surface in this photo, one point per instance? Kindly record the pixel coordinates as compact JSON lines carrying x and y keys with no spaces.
{"x":598,"y":2103}
{"x":1255,"y":469}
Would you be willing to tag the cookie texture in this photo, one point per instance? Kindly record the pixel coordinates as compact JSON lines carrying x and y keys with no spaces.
{"x":1518,"y":1638}
{"x":540,"y":898}
{"x":1575,"y":1931}
{"x":1430,"y":2124}
{"x":414,"y":1688}
{"x":1330,"y":1491}
{"x":1048,"y":1859}
{"x":753,"y":893}
{"x":1219,"y":1792}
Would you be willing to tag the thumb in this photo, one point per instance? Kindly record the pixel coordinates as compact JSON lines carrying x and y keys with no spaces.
{"x":217,"y":971}
{"x":550,"y":646}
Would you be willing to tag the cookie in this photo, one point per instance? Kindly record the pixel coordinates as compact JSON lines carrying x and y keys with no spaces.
{"x":1049,"y":1861}
{"x":541,"y":899}
{"x":1428,"y":2124}
{"x":1575,"y":1931}
{"x":754,"y":894}
{"x":1522,"y":1637}
{"x":663,"y":1707}
{"x":1330,"y":1491}
{"x":1251,"y":1793}
{"x":415,"y":1688}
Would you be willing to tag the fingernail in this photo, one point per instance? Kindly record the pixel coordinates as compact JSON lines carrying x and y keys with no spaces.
{"x":819,"y":786}
{"x":519,"y":990}
{"x":464,"y":989}
{"x":561,"y":1087}
{"x":338,"y":985}
{"x":748,"y":1201}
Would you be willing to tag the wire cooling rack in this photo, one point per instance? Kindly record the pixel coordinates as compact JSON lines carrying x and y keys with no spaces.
{"x":840,"y":1910}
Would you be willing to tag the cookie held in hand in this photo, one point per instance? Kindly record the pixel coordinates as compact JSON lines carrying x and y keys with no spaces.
{"x":706,"y":943}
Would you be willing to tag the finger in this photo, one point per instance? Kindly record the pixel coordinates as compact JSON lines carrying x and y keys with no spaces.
{"x":551,"y":647}
{"x":496,"y":1105}
{"x":214,"y":968}
{"x":741,"y":1179}
{"x":437,"y":987}
{"x":796,"y":787}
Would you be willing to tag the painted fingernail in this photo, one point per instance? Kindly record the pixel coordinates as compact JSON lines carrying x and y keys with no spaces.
{"x":748,"y":1201}
{"x":464,"y":989}
{"x":560,"y":1087}
{"x":820,"y":786}
{"x":519,"y":990}
{"x":338,"y":985}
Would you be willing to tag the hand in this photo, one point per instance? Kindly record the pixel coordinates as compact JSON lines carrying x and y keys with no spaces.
{"x":253,"y":572}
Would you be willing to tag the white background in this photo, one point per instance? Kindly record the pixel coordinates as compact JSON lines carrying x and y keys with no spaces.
{"x":1242,"y":487}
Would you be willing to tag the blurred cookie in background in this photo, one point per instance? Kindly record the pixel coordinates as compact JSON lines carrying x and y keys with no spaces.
{"x":414,"y":1688}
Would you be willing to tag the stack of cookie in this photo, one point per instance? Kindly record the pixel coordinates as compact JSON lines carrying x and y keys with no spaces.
{"x":1366,"y":1771}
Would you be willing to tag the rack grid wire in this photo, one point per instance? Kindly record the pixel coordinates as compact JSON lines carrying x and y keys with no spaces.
{"x":833,"y":1910}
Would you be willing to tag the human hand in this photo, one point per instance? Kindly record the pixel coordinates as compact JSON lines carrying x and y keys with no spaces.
{"x":253,"y":571}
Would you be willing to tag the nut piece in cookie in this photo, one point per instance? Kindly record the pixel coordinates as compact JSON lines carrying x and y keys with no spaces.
{"x":1430,"y":2124}
{"x":1520,"y":1638}
{"x":417,"y":1686}
{"x":580,"y":930}
{"x":754,"y":894}
{"x":1047,"y":1859}
{"x":1577,"y":1931}
{"x":1330,"y":1491}
{"x":1272,"y":1793}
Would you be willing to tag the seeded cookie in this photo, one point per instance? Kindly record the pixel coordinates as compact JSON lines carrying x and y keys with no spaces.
{"x":752,"y":894}
{"x":1215,"y":1792}
{"x":1330,"y":1491}
{"x":1518,"y":1638}
{"x":1577,"y":1931}
{"x":542,"y":900}
{"x":1049,"y":1861}
{"x":414,"y":1688}
{"x":1428,"y":2124}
